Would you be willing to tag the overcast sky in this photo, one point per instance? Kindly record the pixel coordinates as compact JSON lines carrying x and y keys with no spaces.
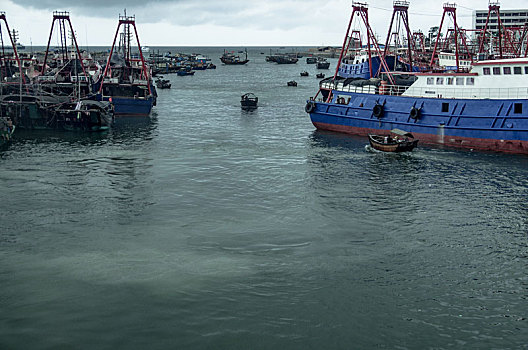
{"x":223,"y":22}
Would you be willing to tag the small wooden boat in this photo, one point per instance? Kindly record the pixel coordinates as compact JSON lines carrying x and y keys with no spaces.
{"x":249,"y":101}
{"x":400,"y":141}
{"x":163,"y":83}
{"x":292,"y":83}
{"x":304,"y":74}
{"x":311,"y":60}
{"x":320,"y":75}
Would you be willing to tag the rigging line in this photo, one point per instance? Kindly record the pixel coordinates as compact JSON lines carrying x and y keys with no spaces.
{"x":420,"y":13}
{"x":466,"y":8}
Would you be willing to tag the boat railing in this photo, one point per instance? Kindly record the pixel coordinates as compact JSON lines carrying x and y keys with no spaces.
{"x":433,"y":92}
{"x":465,"y":92}
{"x":365,"y":89}
{"x":139,"y":82}
{"x":46,"y":78}
{"x":111,"y":80}
{"x":80,"y":78}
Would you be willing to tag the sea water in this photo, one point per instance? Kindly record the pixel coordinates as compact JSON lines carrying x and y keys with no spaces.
{"x":209,"y":227}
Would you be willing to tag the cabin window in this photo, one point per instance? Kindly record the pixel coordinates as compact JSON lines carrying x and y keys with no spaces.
{"x":439,"y":81}
{"x":506,"y":70}
{"x":496,"y":70}
{"x":470,"y":81}
{"x":430,"y":81}
{"x":517,"y":70}
{"x":487,"y":71}
{"x":517,"y":108}
{"x":445,"y":107}
{"x":460,"y":81}
{"x":342,"y":100}
{"x":450,"y":81}
{"x":525,"y":70}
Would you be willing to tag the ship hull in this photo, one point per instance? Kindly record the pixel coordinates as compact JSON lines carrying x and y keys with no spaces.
{"x":362,"y":70}
{"x":489,"y":125}
{"x":124,"y":107}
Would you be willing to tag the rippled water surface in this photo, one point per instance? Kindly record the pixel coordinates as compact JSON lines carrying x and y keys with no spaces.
{"x":212,"y":228}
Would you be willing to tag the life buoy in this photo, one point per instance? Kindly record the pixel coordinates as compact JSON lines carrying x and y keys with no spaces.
{"x":310,"y":107}
{"x":377,"y":111}
{"x":415,"y":113}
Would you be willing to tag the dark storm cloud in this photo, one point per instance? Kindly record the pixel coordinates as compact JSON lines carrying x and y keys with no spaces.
{"x":90,"y":5}
{"x":267,"y":15}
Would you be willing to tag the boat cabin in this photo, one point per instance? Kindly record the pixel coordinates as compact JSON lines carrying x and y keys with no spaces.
{"x":505,"y":79}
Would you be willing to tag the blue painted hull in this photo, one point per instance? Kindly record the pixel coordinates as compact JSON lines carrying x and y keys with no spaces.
{"x":124,"y":106}
{"x":361,"y":70}
{"x":478,"y":124}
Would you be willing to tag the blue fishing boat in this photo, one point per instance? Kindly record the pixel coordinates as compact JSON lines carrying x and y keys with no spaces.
{"x":358,"y":66}
{"x":126,"y":81}
{"x":485,"y":108}
{"x":185,"y":71}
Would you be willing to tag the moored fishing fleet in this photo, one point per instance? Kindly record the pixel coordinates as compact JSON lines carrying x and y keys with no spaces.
{"x":451,"y":88}
{"x":66,"y":88}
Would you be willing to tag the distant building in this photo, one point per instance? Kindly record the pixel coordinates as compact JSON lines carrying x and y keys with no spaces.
{"x":509,"y":19}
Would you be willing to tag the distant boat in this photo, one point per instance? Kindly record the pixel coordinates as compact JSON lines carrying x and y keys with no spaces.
{"x":311,"y":60}
{"x":304,"y":74}
{"x":286,"y":59}
{"x":185,"y":71}
{"x":320,"y":75}
{"x":163,"y":83}
{"x":230,"y":58}
{"x":292,"y":83}
{"x":249,"y":101}
{"x":322,"y":63}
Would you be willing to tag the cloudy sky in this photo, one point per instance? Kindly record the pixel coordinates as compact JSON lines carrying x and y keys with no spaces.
{"x":223,"y":22}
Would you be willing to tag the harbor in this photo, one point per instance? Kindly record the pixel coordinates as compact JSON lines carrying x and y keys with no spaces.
{"x":224,"y":221}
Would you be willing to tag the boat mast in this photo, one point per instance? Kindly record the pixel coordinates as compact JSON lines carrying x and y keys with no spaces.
{"x":400,"y":11}
{"x":450,"y":10}
{"x":62,"y":18}
{"x":127,"y":21}
{"x":17,"y":58}
{"x":494,"y":8}
{"x":361,"y":10}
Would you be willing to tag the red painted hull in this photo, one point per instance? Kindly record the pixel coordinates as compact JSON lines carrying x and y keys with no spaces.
{"x":506,"y":146}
